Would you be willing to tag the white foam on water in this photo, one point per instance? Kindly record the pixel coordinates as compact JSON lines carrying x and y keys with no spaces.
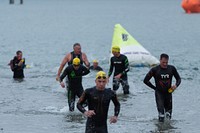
{"x":58,"y":88}
{"x":52,"y":109}
{"x":64,"y":109}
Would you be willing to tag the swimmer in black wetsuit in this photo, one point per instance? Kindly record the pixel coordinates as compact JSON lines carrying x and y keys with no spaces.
{"x":74,"y":74}
{"x":163,"y":75}
{"x":121,"y":65}
{"x":96,"y":66}
{"x":70,"y":56}
{"x":17,"y":65}
{"x":98,"y":98}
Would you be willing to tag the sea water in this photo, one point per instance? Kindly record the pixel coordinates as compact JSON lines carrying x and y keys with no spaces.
{"x":45,"y":31}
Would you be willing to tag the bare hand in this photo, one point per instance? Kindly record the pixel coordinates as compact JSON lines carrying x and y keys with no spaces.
{"x":21,"y":62}
{"x":118,"y":76}
{"x":89,"y":113}
{"x":113,"y":119}
{"x":57,"y":78}
{"x":174,"y":87}
{"x":62,"y":84}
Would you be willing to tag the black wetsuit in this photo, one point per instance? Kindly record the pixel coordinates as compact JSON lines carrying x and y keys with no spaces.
{"x":99,"y":102}
{"x":98,"y":68}
{"x":75,"y":87}
{"x":163,"y":81}
{"x":18,"y":71}
{"x":73,"y":55}
{"x":121,"y":65}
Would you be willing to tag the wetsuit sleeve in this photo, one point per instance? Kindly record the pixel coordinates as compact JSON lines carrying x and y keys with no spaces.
{"x":126,"y":63}
{"x":85,"y":71}
{"x":81,"y":101}
{"x":177,"y":77}
{"x":91,"y":67}
{"x":15,"y":66}
{"x":100,"y":69}
{"x":111,"y":68}
{"x":116,"y":103}
{"x":64,"y":74}
{"x":11,"y":65}
{"x":147,"y":79}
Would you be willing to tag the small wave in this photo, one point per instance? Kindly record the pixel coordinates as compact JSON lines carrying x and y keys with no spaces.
{"x":2,"y":103}
{"x":32,"y":88}
{"x":63,"y":110}
{"x":136,"y":118}
{"x":52,"y":109}
{"x":42,"y":75}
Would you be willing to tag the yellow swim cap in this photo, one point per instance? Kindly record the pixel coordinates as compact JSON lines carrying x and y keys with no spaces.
{"x":76,"y":61}
{"x":101,"y":74}
{"x":115,"y":49}
{"x":95,"y":61}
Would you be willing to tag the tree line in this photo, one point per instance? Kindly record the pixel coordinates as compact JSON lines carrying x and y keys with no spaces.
{"x":13,"y":1}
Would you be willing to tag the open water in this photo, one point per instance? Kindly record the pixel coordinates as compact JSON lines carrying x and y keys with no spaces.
{"x":45,"y":31}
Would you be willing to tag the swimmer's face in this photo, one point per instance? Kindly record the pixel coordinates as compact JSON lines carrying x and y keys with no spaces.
{"x":164,"y":62}
{"x":100,"y":83}
{"x":95,"y":64}
{"x":115,"y":53}
{"x":76,"y":67}
{"x":77,"y":49}
{"x":19,"y":56}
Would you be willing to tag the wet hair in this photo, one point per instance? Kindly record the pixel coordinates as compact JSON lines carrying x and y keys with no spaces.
{"x":19,"y":52}
{"x":164,"y":56}
{"x":76,"y":44}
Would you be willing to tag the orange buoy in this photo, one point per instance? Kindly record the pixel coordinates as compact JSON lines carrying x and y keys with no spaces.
{"x":191,"y":6}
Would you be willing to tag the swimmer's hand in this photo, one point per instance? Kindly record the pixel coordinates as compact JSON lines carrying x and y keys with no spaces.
{"x":57,"y":77}
{"x":171,"y":90}
{"x":21,"y":62}
{"x":113,"y":119}
{"x":89,"y":113}
{"x":118,"y":76}
{"x":62,"y":84}
{"x":174,"y":87}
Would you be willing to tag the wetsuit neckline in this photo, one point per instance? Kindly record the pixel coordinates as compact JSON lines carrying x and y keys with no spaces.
{"x":76,"y":69}
{"x":118,"y":56}
{"x":164,"y":68}
{"x":76,"y":54}
{"x":99,"y":90}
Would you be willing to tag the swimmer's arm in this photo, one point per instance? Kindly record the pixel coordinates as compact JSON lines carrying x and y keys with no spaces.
{"x":80,"y":102}
{"x":147,"y":80}
{"x":85,"y":60}
{"x":126,"y":63}
{"x":111,"y":68}
{"x":64,"y":74}
{"x":15,"y":67}
{"x":85,"y":71}
{"x":64,"y":61}
{"x":177,"y":77}
{"x":80,"y":107}
{"x":117,"y":105}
